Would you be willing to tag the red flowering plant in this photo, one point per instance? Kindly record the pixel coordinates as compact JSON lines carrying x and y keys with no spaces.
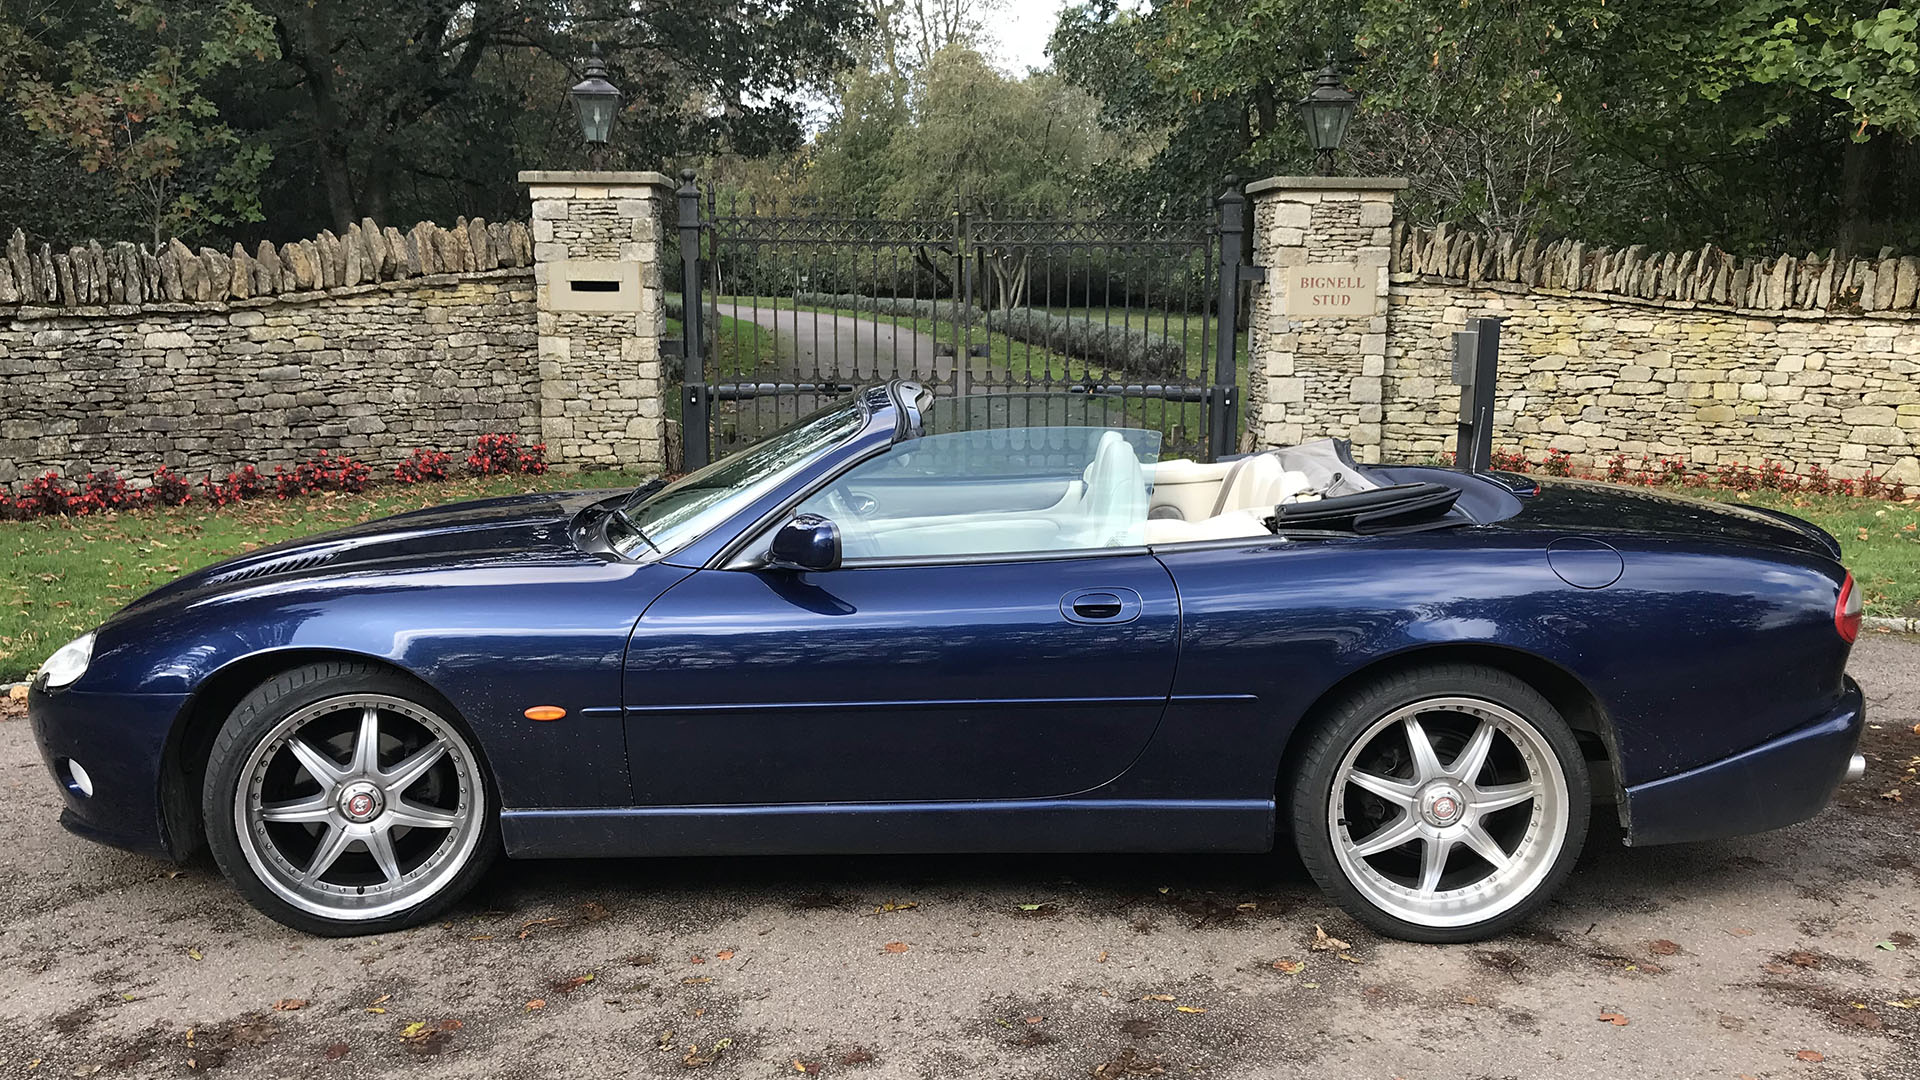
{"x":1558,"y":463}
{"x":169,"y":488}
{"x":324,"y":472}
{"x":495,"y":455}
{"x":108,"y":490}
{"x":422,"y":466}
{"x":45,"y":495}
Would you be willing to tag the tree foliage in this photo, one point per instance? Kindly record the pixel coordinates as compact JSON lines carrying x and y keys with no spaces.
{"x":1745,"y":122}
{"x":396,"y":109}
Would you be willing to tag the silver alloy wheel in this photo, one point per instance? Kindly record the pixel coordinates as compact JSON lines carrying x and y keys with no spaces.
{"x":1458,"y":842}
{"x":359,"y":806}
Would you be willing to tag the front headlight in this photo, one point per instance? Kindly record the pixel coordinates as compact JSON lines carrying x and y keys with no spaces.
{"x":70,"y":662}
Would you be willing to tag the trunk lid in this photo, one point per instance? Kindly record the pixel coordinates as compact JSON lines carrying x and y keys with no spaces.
{"x":1590,"y":508}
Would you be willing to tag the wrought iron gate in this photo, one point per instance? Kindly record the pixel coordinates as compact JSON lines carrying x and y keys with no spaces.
{"x":786,"y":309}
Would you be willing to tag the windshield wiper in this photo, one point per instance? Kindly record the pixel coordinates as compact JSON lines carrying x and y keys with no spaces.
{"x":620,"y":512}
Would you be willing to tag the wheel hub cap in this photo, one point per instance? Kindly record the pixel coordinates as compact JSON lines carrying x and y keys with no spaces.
{"x":361,"y":802}
{"x":1441,"y":806}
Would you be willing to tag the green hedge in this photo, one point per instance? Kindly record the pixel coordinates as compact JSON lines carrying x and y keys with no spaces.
{"x":1118,"y":348}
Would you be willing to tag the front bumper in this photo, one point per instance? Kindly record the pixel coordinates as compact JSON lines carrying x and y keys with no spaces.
{"x":120,"y":740}
{"x":1782,"y":781}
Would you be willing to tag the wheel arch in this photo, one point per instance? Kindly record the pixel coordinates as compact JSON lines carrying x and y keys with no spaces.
{"x":1564,"y":690}
{"x":183,"y":762}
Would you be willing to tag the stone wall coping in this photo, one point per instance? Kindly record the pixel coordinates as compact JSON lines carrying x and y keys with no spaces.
{"x":1322,"y":183}
{"x":586,"y":178}
{"x":1514,"y":288}
{"x":26,"y":313}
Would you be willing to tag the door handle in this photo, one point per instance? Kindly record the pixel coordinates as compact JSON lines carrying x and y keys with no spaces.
{"x":1096,"y":605}
{"x":1101,"y":605}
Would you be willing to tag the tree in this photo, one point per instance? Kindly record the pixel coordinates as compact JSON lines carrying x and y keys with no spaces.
{"x":379,"y":82}
{"x":129,"y":103}
{"x":1756,"y":122}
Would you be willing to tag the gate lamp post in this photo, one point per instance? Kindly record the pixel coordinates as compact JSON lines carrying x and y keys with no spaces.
{"x":597,"y":100}
{"x":1327,"y":109}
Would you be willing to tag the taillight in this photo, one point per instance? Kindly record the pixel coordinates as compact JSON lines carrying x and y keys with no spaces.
{"x":1846,"y":611}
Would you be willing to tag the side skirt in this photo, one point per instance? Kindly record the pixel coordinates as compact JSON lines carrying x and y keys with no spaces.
{"x":1038,"y":825}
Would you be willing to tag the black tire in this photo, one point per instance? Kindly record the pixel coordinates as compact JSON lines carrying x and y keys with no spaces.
{"x":258,"y":716}
{"x":1333,"y":736}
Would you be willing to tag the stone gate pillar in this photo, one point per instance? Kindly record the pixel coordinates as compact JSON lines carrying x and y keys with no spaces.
{"x":596,"y":271}
{"x":1317,"y":336}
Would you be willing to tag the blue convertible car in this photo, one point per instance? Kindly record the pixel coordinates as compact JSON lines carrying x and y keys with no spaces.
{"x":909,"y":625}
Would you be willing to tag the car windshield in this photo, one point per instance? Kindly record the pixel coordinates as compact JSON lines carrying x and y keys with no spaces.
{"x":684,"y":510}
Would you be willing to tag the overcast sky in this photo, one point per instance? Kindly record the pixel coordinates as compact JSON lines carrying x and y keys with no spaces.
{"x":1021,"y":33}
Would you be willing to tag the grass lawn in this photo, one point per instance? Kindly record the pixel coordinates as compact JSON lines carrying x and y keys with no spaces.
{"x":61,"y":576}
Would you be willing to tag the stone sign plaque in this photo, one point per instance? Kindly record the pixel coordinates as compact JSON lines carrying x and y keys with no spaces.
{"x":1335,"y":289}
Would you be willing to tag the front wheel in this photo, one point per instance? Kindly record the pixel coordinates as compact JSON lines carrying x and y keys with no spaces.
{"x":1441,"y":805}
{"x":344,"y":799}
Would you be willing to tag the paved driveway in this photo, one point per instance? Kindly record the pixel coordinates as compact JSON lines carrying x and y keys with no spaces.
{"x":1787,"y":955}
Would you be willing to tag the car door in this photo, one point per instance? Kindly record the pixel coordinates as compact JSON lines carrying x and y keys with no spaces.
{"x":928,"y":667}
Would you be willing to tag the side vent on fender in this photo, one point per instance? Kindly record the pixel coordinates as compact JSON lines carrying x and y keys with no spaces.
{"x":287,"y":565}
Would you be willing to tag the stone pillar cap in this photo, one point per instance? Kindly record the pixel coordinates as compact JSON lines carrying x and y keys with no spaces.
{"x":595,"y":179}
{"x":1314,"y":183}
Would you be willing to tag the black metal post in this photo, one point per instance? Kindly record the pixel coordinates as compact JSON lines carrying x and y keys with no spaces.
{"x":695,"y":424}
{"x":1476,"y":363}
{"x":1223,"y":413}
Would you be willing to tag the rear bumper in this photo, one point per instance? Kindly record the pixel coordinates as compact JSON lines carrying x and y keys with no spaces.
{"x":1782,"y":781}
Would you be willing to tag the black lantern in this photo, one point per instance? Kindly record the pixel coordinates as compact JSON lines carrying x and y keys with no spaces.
{"x":1327,"y":109}
{"x":597,"y":100}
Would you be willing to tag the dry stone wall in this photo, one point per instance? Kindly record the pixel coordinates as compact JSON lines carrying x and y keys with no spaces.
{"x":1697,"y":355}
{"x":371,"y":369}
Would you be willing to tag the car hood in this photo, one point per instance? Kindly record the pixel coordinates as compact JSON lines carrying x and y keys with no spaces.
{"x":1592,"y":508}
{"x":514,"y":529}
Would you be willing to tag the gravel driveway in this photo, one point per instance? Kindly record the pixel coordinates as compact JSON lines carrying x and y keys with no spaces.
{"x":1785,"y":955}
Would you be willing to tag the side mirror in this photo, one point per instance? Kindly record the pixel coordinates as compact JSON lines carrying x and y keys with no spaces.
{"x":808,"y":542}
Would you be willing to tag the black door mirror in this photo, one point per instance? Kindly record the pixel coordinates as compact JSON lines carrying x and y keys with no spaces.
{"x":808,"y":542}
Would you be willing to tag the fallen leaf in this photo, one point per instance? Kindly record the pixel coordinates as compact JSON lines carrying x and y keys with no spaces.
{"x":696,"y":959}
{"x":695,"y":980}
{"x":1348,"y":957}
{"x":896,"y":946}
{"x":891,"y":905}
{"x":1289,"y":967}
{"x":806,"y":1068}
{"x":1102,"y":958}
{"x":1906,"y":1003}
{"x":1157,"y":997}
{"x":290,"y":1004}
{"x":1029,"y":907}
{"x":1615,"y":1019}
{"x":377,"y":1010}
{"x":1801,"y":958}
{"x":1322,"y":941}
{"x":536,"y":1003}
{"x":1663,"y":947}
{"x":381,"y":1000}
{"x":450,"y":1025}
{"x":415,"y":1030}
{"x":1887,"y":945}
{"x":724,"y":954}
{"x":194,"y":954}
{"x":568,"y":986}
{"x":1810,"y":1055}
{"x":1188,"y":1009}
{"x":1249,"y":906}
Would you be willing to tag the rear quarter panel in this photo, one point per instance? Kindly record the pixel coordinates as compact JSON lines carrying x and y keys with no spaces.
{"x":1696,"y":652}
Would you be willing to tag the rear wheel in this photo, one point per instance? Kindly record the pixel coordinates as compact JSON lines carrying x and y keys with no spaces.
{"x":345,"y":799}
{"x":1444,"y":804}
